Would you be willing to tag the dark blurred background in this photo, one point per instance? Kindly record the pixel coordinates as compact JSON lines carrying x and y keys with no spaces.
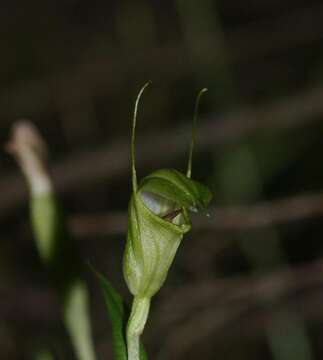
{"x":247,"y":282}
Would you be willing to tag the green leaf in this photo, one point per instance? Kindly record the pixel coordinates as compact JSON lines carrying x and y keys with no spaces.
{"x":118,"y":313}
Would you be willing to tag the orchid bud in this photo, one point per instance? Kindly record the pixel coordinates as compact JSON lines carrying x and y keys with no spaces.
{"x":158,"y":218}
{"x":53,"y":240}
{"x":31,"y":153}
{"x":30,"y":150}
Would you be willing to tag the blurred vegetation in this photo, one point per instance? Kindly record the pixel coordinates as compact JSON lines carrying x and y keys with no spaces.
{"x":247,"y":283}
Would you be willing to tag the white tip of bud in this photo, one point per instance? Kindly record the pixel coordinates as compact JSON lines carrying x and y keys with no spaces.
{"x":30,"y":150}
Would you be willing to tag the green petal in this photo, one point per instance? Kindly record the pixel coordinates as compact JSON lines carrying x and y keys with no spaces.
{"x":177,"y":187}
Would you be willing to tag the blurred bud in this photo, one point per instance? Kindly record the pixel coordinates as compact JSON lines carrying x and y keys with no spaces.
{"x":30,"y":150}
{"x":55,"y":245}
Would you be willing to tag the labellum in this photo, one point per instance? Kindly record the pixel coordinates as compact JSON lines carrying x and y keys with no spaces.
{"x":158,"y":219}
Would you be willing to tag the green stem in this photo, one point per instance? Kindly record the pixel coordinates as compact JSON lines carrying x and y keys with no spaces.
{"x":136,"y":324}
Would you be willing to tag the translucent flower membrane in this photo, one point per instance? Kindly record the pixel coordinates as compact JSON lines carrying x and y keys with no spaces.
{"x":162,"y":207}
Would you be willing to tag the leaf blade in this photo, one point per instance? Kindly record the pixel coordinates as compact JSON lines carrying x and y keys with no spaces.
{"x":118,"y":314}
{"x":115,"y":307}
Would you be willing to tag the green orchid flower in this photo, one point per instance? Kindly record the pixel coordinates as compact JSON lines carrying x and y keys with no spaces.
{"x":158,"y":219}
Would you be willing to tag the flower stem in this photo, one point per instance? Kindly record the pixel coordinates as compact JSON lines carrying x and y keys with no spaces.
{"x":136,"y":324}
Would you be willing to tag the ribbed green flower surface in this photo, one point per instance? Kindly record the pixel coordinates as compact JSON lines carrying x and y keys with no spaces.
{"x":158,"y":219}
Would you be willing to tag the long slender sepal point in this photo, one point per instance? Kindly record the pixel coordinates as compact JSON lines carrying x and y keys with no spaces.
{"x":190,"y":155}
{"x":133,"y":137}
